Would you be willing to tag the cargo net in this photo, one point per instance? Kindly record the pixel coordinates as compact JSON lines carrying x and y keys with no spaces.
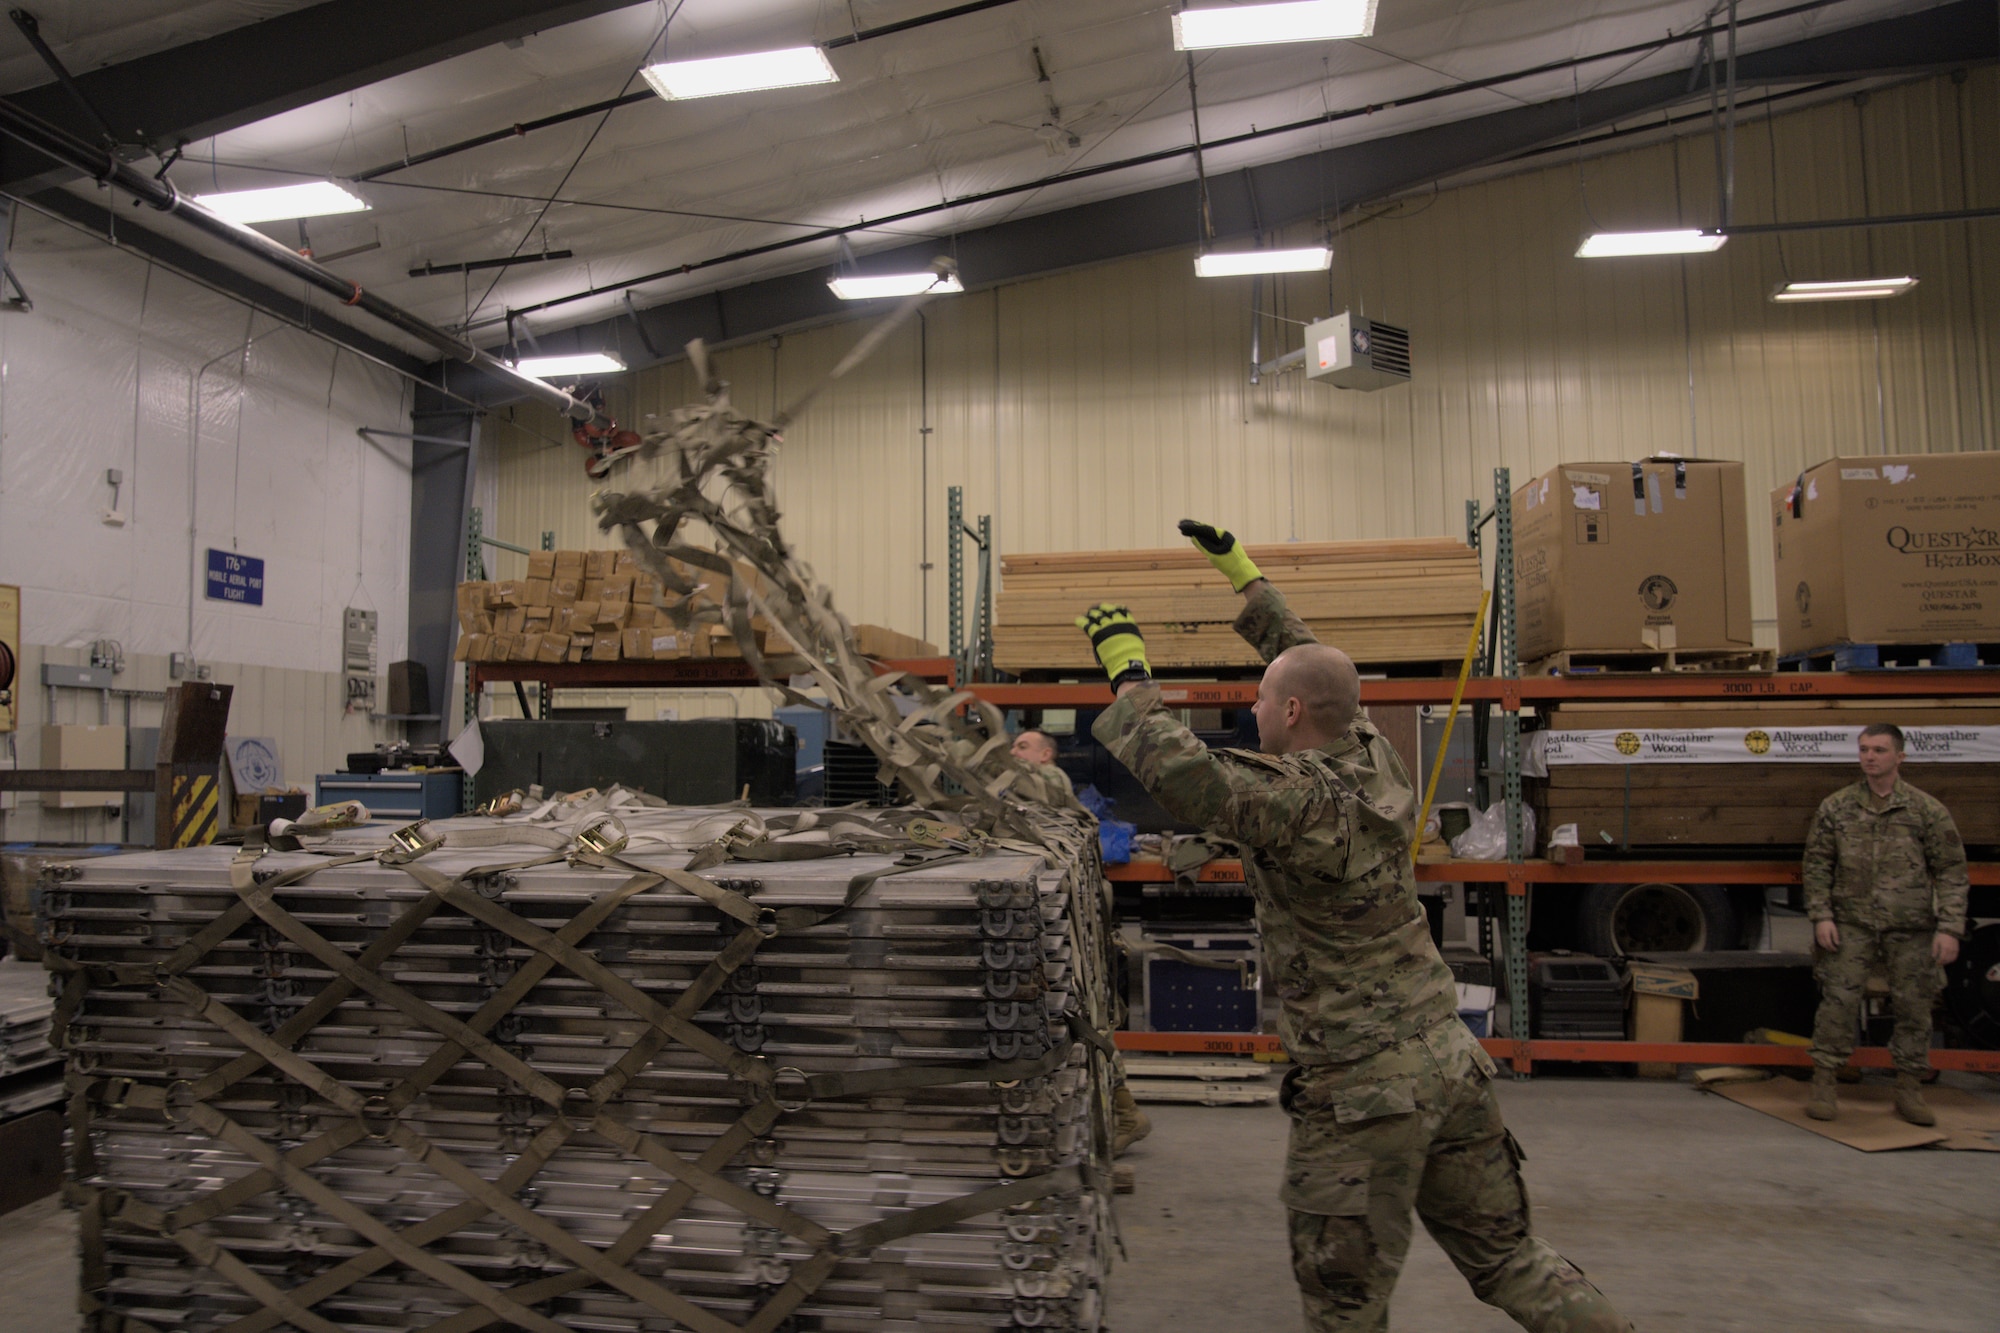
{"x":534,"y":1073}
{"x":943,"y":748}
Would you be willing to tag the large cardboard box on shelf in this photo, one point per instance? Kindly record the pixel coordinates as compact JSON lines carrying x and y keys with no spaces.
{"x":1639,"y":557}
{"x":1903,"y":549}
{"x":74,"y":745}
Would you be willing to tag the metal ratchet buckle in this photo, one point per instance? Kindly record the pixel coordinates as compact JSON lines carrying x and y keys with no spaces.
{"x":410,"y":843}
{"x":935,"y":833}
{"x":116,"y":1090}
{"x":798,"y":1077}
{"x":603,"y":835}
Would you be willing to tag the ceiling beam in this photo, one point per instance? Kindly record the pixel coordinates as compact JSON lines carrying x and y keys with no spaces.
{"x":263,"y":69}
{"x":1266,"y":197}
{"x":126,"y":234}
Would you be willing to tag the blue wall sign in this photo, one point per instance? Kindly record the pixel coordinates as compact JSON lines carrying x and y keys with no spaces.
{"x":235,"y":578}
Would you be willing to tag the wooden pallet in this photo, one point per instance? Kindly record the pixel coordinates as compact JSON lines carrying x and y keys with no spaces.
{"x":1612,"y":661}
{"x":1894,"y":657}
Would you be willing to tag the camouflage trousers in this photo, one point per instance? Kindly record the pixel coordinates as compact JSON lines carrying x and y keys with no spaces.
{"x":1417,"y":1126}
{"x":1914,"y":978}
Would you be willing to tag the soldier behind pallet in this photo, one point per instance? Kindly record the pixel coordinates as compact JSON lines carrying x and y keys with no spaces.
{"x":1885,"y":885}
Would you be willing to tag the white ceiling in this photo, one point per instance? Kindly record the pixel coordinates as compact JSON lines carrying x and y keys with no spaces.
{"x":939,"y":112}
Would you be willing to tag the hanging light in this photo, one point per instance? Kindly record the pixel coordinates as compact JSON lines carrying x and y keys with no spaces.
{"x":1257,"y":25}
{"x":793,"y":67}
{"x":1242,"y":263}
{"x":1618,"y":244}
{"x":564,"y":367}
{"x":874,"y":286}
{"x":1857,"y":289}
{"x":281,"y":203}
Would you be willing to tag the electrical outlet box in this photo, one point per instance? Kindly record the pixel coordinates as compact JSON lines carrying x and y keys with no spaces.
{"x":182,"y":666}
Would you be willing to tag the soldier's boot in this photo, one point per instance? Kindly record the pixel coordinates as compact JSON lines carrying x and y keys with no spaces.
{"x":1129,"y":1124}
{"x":1822,"y":1103}
{"x":1910,"y":1102}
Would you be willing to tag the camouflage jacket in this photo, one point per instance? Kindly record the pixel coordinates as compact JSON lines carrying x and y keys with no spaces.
{"x":1057,"y":789}
{"x":1898,"y":868}
{"x":1324,"y":836}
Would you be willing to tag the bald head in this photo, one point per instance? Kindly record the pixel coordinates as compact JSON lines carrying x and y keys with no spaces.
{"x":1308,"y":698}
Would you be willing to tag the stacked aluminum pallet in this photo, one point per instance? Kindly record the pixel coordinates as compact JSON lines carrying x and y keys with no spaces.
{"x":30,"y":1076}
{"x":521,"y":1081}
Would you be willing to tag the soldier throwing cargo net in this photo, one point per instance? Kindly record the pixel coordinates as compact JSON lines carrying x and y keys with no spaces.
{"x":1390,"y":1103}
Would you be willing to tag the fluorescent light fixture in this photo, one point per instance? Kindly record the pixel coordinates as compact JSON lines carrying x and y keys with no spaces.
{"x":1239,"y":263}
{"x":1256,"y":25}
{"x":793,"y":67}
{"x":563,"y":367}
{"x":1614,"y":244}
{"x":1858,"y":289}
{"x":874,"y":286}
{"x":314,"y":199}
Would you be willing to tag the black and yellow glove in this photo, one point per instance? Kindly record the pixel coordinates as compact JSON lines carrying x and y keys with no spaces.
{"x":1115,"y":637}
{"x":1224,"y":552}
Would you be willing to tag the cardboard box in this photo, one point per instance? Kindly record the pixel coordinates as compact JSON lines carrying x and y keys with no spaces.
{"x":568,"y":564}
{"x":1903,"y":549}
{"x":564,"y":590}
{"x":541,"y":565}
{"x":605,"y":647}
{"x":666,"y":644}
{"x":552,"y":648}
{"x":508,"y":593}
{"x":74,"y":745}
{"x":526,"y":648}
{"x":593,"y":591}
{"x":1633,"y":556}
{"x":471,"y":648}
{"x":599,"y":564}
{"x":582,"y":616}
{"x":636,"y":645}
{"x":1660,"y":994}
{"x":537,"y":592}
{"x":611,"y":613}
{"x":626,"y":563}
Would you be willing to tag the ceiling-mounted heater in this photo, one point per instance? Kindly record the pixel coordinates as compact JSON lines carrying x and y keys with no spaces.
{"x":1352,"y":352}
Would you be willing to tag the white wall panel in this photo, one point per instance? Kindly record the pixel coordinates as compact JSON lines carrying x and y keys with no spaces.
{"x":122,"y":365}
{"x":1092,"y":409}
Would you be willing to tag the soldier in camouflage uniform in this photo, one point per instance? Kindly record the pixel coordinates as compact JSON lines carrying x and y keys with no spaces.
{"x":1391,"y":1103}
{"x":1885,"y":885}
{"x":1037,"y":749}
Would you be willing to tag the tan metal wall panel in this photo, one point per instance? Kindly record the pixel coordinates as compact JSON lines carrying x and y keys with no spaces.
{"x":1092,"y":409}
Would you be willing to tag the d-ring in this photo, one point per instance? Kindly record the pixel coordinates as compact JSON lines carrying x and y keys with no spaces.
{"x":799,"y":1077}
{"x":376,"y":1110}
{"x":168,"y":1103}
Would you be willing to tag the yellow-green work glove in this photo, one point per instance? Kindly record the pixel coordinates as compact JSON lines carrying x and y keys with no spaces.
{"x":1115,"y":637}
{"x":1224,"y":552}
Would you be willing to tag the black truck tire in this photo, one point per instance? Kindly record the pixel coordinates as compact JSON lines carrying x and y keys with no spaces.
{"x":1613,"y":920}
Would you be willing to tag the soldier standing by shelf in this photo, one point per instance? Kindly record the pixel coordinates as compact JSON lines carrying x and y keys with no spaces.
{"x":1885,"y":883}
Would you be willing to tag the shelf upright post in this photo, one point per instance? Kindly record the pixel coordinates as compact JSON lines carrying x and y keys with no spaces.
{"x":542,"y":690}
{"x":981,"y":656}
{"x":1509,"y":668}
{"x":1479,"y":897}
{"x":954,"y":521}
{"x":475,"y":570}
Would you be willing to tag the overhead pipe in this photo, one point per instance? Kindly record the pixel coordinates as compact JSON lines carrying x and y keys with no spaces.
{"x":103,"y":166}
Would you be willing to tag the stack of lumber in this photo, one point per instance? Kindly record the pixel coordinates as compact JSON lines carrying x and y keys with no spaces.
{"x":1381,"y":601}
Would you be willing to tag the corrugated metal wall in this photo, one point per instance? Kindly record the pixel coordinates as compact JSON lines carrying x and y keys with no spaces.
{"x":1093,"y":409}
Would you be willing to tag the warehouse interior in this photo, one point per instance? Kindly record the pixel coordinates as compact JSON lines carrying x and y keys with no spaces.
{"x":554,"y":773}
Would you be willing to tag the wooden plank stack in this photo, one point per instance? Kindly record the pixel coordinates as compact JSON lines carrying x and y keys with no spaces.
{"x":1383,"y":602}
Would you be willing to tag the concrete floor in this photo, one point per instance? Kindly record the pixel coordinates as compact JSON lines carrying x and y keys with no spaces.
{"x":1691,"y":1212}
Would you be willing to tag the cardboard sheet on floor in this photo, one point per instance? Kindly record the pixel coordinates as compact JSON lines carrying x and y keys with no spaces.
{"x":1868,"y":1118}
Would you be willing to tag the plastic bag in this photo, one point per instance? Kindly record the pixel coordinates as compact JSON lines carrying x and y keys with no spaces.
{"x":1486,"y":838}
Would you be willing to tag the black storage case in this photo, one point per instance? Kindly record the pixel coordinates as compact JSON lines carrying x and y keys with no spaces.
{"x":703,"y":761}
